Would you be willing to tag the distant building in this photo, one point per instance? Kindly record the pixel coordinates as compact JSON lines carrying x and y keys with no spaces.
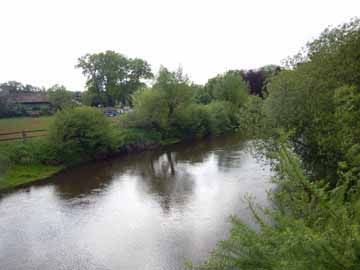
{"x":33,"y":103}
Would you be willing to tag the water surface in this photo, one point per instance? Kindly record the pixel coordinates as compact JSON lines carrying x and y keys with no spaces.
{"x":152,"y":210}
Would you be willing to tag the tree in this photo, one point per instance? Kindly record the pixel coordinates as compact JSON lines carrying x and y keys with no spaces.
{"x":257,"y":79}
{"x":157,"y":106}
{"x":13,"y":87}
{"x":175,"y":88}
{"x":228,"y":87}
{"x":114,"y":75}
{"x":150,"y":110}
{"x":60,"y":98}
{"x":170,"y":106}
{"x":202,"y":95}
{"x":304,"y":99}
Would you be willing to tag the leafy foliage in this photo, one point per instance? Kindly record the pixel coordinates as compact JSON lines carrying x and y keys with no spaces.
{"x":251,"y":116}
{"x":17,"y":87}
{"x":305,"y":100}
{"x":80,"y":134}
{"x":28,"y":153}
{"x":114,"y":75}
{"x":194,"y":120}
{"x":60,"y":97}
{"x":150,"y":111}
{"x":136,"y":136}
{"x":228,"y":87}
{"x":156,"y":107}
{"x":174,"y":106}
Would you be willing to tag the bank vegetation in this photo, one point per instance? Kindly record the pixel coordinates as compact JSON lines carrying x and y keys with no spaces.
{"x":309,"y":127}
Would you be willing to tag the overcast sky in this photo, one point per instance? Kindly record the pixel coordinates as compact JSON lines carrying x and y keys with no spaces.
{"x":41,"y":40}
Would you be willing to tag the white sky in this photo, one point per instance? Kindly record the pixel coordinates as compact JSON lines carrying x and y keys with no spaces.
{"x":41,"y":40}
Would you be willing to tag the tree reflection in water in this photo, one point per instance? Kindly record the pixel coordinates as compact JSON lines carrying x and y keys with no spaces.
{"x":165,"y":173}
{"x":159,"y":174}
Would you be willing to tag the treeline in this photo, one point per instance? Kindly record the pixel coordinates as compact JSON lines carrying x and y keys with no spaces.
{"x":309,"y":125}
{"x":112,"y":80}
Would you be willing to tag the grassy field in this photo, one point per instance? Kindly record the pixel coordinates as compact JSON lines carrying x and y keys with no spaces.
{"x":21,"y":174}
{"x":18,"y":124}
{"x":15,"y":124}
{"x":25,"y":123}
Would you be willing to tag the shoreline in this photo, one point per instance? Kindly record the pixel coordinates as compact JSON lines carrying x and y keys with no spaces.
{"x":27,"y":179}
{"x":35,"y":173}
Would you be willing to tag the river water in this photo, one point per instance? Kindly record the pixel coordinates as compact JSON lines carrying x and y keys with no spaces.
{"x":153,"y":210}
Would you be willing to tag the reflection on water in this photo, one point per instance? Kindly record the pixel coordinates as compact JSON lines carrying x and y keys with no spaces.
{"x":152,"y":210}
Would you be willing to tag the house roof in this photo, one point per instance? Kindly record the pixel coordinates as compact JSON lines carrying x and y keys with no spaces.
{"x":29,"y":97}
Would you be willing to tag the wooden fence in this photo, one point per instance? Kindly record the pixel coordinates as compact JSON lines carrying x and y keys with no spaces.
{"x":23,"y":135}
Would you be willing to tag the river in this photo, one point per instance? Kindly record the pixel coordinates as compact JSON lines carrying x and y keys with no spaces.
{"x":152,"y":210}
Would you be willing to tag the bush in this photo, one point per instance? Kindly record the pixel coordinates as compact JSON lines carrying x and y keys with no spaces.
{"x":193,"y":121}
{"x":60,"y":97}
{"x":198,"y":120}
{"x":24,"y":152}
{"x":252,"y":117}
{"x":222,"y":117}
{"x":81,"y":134}
{"x":228,"y":87}
{"x":136,"y":135}
{"x":150,"y":110}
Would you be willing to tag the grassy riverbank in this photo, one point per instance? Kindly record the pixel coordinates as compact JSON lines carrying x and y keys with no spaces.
{"x":17,"y":160}
{"x":18,"y":175}
{"x":129,"y":141}
{"x":30,"y":151}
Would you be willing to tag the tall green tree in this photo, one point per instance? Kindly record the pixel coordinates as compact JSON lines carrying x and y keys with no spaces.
{"x":158,"y":105}
{"x":60,"y":97}
{"x":114,"y":75}
{"x":228,"y":87}
{"x":302,"y":98}
{"x":13,"y":87}
{"x":175,"y":88}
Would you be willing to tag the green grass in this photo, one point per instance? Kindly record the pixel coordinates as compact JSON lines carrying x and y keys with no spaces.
{"x":15,"y":124}
{"x":18,"y":124}
{"x":21,"y":174}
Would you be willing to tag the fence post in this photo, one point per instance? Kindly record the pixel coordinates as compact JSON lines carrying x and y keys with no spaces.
{"x":23,"y":134}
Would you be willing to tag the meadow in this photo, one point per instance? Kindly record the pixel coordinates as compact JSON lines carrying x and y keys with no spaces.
{"x":19,"y":124}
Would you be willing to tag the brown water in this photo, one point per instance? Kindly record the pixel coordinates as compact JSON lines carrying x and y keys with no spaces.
{"x":147,"y":211}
